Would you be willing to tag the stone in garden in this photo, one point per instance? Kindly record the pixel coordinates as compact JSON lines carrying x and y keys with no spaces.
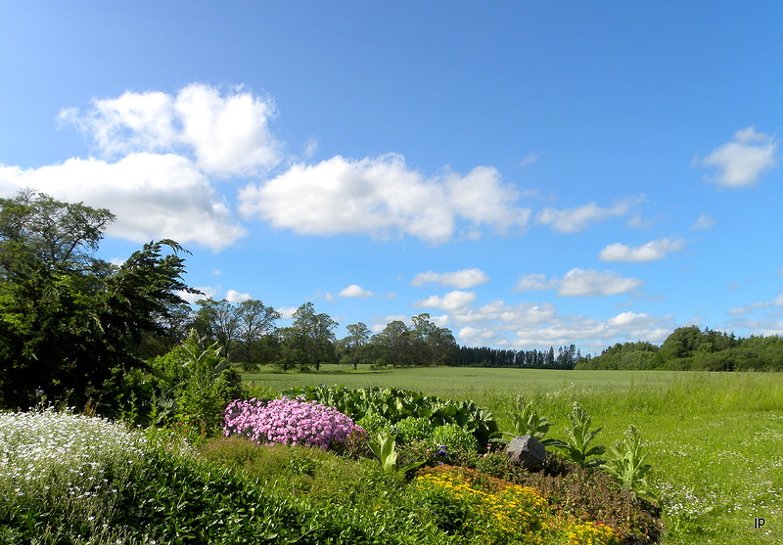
{"x":527,"y":452}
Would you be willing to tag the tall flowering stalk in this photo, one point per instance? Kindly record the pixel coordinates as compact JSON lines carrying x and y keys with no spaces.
{"x":289,"y":421}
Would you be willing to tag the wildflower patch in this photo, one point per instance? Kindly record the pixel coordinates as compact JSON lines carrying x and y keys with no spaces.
{"x":497,"y":511}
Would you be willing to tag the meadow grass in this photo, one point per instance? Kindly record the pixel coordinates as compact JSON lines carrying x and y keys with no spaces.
{"x":715,"y":440}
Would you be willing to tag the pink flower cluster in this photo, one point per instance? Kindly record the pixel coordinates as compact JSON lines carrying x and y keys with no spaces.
{"x":288,"y":421}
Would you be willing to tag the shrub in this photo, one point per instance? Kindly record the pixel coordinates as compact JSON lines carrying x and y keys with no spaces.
{"x":461,"y":446}
{"x":188,"y":387}
{"x":290,"y":422}
{"x":412,"y":429}
{"x":373,"y":423}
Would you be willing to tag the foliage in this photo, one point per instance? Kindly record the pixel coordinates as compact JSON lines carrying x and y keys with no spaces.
{"x":395,"y":404}
{"x":525,"y":420}
{"x":244,"y":330}
{"x":188,"y":387}
{"x":630,"y":355}
{"x":577,"y":447}
{"x":309,"y":342}
{"x":373,"y":423}
{"x":423,"y":344}
{"x":289,"y":421}
{"x":460,"y":445}
{"x":71,"y":324}
{"x":690,"y":348}
{"x":384,"y":447}
{"x":413,"y":428}
{"x":472,"y":356}
{"x":626,"y":464}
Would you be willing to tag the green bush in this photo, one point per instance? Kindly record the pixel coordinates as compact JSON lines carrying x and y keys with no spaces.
{"x":373,"y":423}
{"x":461,"y":446}
{"x":412,"y":429}
{"x":188,"y":387}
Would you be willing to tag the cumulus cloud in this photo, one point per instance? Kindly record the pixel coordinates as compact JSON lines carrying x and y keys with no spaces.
{"x":535,"y":282}
{"x":234,"y":296}
{"x":384,"y":198}
{"x":580,"y":282}
{"x":587,"y":282}
{"x":452,"y":301}
{"x":462,"y":279}
{"x":573,"y":220}
{"x":227,"y":134}
{"x":157,"y":157}
{"x":153,"y":196}
{"x":742,"y":161}
{"x":650,"y":251}
{"x":531,"y":325}
{"x":355,"y":290}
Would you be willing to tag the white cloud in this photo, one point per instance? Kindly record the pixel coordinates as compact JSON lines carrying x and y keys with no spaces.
{"x":233,"y":296}
{"x":157,"y":154}
{"x":532,"y":325}
{"x":650,"y":251}
{"x":579,"y":282}
{"x":384,"y":198}
{"x":535,"y":282}
{"x":355,"y":290}
{"x":452,"y":301}
{"x":702,"y":223}
{"x":582,"y":282}
{"x":741,"y":162}
{"x":286,"y":312}
{"x":153,"y":196}
{"x":227,"y":134}
{"x":572,"y":220}
{"x":207,"y":292}
{"x":462,"y":279}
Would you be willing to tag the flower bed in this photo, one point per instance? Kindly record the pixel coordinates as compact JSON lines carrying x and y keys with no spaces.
{"x":289,"y":421}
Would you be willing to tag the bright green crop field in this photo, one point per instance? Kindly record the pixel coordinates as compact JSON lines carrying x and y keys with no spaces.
{"x":715,"y":440}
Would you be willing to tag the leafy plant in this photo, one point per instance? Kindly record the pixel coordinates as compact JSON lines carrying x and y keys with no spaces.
{"x":626,"y":464}
{"x":526,"y":421}
{"x":412,"y":429}
{"x":461,"y":445}
{"x":577,"y":447}
{"x":384,"y":446}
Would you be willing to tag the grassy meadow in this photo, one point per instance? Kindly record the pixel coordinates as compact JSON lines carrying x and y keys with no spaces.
{"x":715,"y":440}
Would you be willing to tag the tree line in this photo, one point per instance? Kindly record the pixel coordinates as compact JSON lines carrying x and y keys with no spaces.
{"x":565,"y":358}
{"x":691,"y":348}
{"x":248,"y":334}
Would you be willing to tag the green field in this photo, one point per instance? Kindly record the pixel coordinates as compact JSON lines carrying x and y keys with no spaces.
{"x":715,"y":440}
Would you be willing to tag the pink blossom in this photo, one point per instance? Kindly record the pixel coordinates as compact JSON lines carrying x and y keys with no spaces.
{"x":288,"y":421}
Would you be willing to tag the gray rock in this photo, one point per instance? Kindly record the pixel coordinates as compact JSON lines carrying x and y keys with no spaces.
{"x":526,"y":451}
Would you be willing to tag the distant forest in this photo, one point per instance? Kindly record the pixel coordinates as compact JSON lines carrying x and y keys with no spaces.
{"x":690,"y":348}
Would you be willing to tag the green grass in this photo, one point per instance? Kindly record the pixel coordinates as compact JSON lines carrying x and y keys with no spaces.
{"x":715,"y":440}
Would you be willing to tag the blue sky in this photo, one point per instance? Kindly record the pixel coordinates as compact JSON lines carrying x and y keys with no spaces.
{"x":529,"y":173}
